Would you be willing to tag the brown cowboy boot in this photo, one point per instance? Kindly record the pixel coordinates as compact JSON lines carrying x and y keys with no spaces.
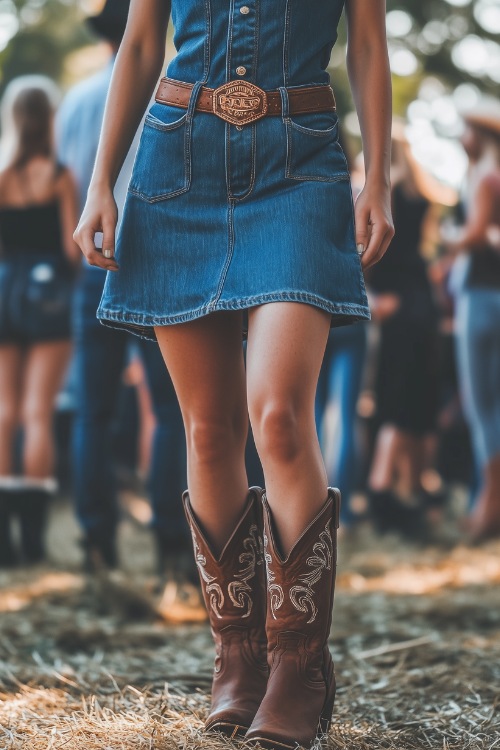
{"x":234,"y":589}
{"x":300,"y":693}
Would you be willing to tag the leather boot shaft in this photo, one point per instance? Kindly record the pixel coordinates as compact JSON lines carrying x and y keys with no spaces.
{"x":301,"y":586}
{"x":234,"y":590}
{"x":301,"y":689}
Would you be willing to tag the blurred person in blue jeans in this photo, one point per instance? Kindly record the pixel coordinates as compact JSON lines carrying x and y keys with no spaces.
{"x":101,"y":354}
{"x":477,"y":288}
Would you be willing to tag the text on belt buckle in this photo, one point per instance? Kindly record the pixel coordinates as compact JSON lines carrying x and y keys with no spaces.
{"x":239,"y":102}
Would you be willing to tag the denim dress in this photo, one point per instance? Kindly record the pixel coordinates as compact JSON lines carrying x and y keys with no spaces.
{"x":221,"y":216}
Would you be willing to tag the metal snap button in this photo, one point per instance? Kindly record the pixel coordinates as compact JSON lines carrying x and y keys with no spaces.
{"x":244,"y":9}
{"x":241,"y":70}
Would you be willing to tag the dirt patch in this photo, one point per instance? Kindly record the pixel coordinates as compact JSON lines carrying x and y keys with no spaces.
{"x":416,"y":641}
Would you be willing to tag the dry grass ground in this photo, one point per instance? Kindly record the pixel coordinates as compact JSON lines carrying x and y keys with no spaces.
{"x":89,"y":666}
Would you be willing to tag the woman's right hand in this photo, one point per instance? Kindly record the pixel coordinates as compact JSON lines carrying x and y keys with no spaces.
{"x":99,"y":215}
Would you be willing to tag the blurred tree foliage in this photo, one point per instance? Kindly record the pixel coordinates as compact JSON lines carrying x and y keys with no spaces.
{"x":435,"y":59}
{"x":50,"y":29}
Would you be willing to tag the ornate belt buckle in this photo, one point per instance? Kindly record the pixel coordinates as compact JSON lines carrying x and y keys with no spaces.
{"x":239,"y":102}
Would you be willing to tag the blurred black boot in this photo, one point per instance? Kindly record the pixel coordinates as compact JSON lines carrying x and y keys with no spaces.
{"x":389,"y":513}
{"x":100,"y":551}
{"x":175,"y":559}
{"x":381,"y":508}
{"x":32,"y":506}
{"x":8,"y":557}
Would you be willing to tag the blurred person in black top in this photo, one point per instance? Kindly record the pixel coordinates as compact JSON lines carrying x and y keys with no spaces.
{"x":478,"y":311}
{"x":407,"y":378}
{"x":38,"y":211}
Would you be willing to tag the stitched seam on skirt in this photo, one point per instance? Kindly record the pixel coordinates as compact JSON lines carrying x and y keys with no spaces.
{"x":335,"y":178}
{"x":229,"y":256}
{"x":286,"y":42}
{"x":207,"y":47}
{"x":253,"y":172}
{"x":256,"y":49}
{"x":229,"y":48}
{"x":163,"y":197}
{"x":346,"y":308}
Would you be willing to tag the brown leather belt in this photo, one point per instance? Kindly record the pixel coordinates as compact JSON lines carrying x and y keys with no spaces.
{"x":240,"y":102}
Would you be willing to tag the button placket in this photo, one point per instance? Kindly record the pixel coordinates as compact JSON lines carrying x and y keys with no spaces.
{"x":242,"y":62}
{"x":242,"y":44}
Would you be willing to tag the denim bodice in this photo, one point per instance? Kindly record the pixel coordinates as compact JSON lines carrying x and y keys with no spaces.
{"x":270,"y":43}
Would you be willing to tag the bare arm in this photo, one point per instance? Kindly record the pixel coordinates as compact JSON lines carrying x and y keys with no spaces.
{"x":474,"y":235}
{"x":67,"y":193}
{"x":136,"y":71}
{"x":369,"y":75}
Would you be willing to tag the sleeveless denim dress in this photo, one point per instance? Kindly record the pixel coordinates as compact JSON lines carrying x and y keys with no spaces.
{"x":226,"y":217}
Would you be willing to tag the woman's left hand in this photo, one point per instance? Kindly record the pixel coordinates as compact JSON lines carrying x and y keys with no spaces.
{"x":374,"y":225}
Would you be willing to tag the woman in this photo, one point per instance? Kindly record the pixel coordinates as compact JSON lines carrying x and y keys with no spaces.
{"x":478,"y":314}
{"x":407,"y":362}
{"x":38,"y":212}
{"x":240,"y":197}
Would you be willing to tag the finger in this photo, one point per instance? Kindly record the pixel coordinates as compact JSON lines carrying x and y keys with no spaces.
{"x":370,"y":256}
{"x":93,"y":256}
{"x":108,"y":238}
{"x":377,"y":249}
{"x":363,"y":230}
{"x":96,"y":258}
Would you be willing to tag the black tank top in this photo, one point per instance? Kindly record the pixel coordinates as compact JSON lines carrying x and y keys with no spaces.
{"x":33,"y":229}
{"x":402,"y":269}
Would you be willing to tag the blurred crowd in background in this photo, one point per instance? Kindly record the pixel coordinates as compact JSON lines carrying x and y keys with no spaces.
{"x":408,"y":405}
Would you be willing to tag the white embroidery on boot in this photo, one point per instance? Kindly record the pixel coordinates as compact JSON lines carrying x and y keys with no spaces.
{"x":239,"y":591}
{"x":302,"y":596}
{"x":276,"y":596}
{"x":213,"y":589}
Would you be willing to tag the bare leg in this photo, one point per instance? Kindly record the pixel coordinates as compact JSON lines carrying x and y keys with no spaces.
{"x":136,"y":376}
{"x":205,"y":361}
{"x":11,"y":362}
{"x":388,"y":447}
{"x":485,"y":519}
{"x":44,"y":370}
{"x":410,"y":465}
{"x":286,"y":345}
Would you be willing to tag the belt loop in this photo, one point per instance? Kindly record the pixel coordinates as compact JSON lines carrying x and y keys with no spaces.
{"x":285,"y":106}
{"x":193,"y":99}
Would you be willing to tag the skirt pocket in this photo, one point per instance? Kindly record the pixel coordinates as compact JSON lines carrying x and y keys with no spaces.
{"x":313,"y":148}
{"x":162,"y":167}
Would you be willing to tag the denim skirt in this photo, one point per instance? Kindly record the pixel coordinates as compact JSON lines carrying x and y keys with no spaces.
{"x":227,"y":217}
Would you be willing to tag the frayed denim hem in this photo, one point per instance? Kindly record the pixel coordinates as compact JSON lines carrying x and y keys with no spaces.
{"x":143,"y":325}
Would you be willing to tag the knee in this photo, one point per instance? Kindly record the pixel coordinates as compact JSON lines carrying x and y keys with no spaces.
{"x":35,"y":415}
{"x":8,"y":417}
{"x":211,"y":440}
{"x":277,"y":431}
